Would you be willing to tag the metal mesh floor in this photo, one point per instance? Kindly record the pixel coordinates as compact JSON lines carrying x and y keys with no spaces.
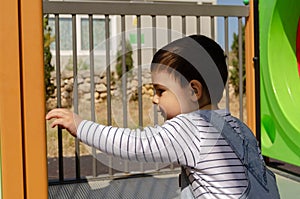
{"x":152,"y":187}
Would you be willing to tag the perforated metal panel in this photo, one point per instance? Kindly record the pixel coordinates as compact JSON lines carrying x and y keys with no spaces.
{"x":160,"y":186}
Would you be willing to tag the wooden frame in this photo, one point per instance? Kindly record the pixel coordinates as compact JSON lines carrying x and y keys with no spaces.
{"x":22,"y":109}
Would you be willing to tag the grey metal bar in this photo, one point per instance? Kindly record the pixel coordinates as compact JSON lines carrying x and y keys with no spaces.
{"x":124,"y":79}
{"x":139,"y":62}
{"x":227,"y":58}
{"x":92,"y":85}
{"x":75,"y":92}
{"x":108,"y":80}
{"x":154,"y":48}
{"x":118,"y":8}
{"x":58,"y":91}
{"x":108,"y":71}
{"x":212,"y":27}
{"x":169,"y":25}
{"x":140,"y":83}
{"x":169,"y":28}
{"x":240,"y":32}
{"x":198,"y":21}
{"x":75,"y":70}
{"x":124,"y":74}
{"x":92,"y":66}
{"x":183,"y":18}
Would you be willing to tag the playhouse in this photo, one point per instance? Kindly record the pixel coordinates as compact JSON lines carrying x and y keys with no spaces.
{"x":272,"y":62}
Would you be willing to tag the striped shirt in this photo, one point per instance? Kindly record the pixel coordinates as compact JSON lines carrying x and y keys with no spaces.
{"x":213,"y":169}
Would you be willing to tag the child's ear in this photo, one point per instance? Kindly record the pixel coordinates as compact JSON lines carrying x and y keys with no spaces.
{"x":197,"y":90}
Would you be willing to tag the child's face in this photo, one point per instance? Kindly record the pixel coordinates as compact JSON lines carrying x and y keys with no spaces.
{"x":171,"y":98}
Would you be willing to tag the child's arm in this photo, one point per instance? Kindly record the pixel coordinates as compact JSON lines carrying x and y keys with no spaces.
{"x":173,"y":142}
{"x":65,"y":119}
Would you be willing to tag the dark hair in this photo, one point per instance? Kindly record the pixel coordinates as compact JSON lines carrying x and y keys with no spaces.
{"x":195,"y":57}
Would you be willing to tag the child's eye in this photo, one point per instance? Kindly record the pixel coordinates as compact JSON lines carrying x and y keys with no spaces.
{"x":159,"y":91}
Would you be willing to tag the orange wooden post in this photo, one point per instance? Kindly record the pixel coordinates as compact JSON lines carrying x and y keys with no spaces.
{"x":10,"y":102}
{"x":250,"y":72}
{"x":22,"y":103}
{"x":33,"y":99}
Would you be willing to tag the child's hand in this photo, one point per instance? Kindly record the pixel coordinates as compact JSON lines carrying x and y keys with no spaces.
{"x":65,"y":119}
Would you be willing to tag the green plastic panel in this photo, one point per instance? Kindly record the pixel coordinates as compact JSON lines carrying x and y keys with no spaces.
{"x":280,"y":81}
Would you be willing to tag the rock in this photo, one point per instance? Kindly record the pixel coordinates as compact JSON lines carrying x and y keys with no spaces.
{"x":97,"y":95}
{"x":79,"y":80}
{"x":97,"y":80}
{"x":103,"y":80}
{"x":103,"y":95}
{"x":87,"y":80}
{"x":66,"y":74}
{"x":68,"y":87}
{"x":101,"y":88}
{"x":66,"y":103}
{"x":85,"y":88}
{"x":65,"y":94}
{"x":150,"y":92}
{"x":85,"y":73}
{"x":87,"y":96}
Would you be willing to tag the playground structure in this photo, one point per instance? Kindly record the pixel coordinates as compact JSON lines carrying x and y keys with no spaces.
{"x":22,"y":108}
{"x":280,"y":127}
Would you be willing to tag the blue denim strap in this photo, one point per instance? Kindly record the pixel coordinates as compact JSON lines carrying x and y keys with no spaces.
{"x":243,"y":144}
{"x":236,"y":141}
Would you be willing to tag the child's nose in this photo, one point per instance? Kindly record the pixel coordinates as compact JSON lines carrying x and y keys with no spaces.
{"x":155,"y":99}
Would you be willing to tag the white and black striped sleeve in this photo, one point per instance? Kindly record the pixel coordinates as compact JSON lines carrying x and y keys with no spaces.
{"x":175,"y":141}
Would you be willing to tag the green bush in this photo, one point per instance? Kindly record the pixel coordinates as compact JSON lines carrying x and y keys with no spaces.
{"x":234,"y":72}
{"x":48,"y":67}
{"x":128,"y":59}
{"x":81,"y":64}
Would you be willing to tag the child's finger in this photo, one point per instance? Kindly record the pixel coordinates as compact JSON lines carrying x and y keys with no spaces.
{"x":55,"y":113}
{"x":51,"y":114}
{"x":57,"y":122}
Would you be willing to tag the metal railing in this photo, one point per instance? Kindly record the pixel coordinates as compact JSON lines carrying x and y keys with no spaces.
{"x":195,"y":19}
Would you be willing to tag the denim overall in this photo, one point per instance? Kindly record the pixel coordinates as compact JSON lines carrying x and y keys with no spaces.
{"x":262,"y":182}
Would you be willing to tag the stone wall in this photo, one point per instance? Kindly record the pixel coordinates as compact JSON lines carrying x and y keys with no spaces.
{"x":100,"y":87}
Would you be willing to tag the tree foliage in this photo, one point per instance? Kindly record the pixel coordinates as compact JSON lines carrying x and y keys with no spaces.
{"x":48,"y":67}
{"x":234,"y":71}
{"x":128,"y":59}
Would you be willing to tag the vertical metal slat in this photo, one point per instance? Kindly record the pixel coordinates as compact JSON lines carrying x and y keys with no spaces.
{"x":58,"y":91}
{"x":212,"y":27}
{"x":240,"y":31}
{"x":140,"y":83}
{"x":139,"y":62}
{"x":227,"y":57}
{"x":154,"y":48}
{"x":124,"y":79}
{"x":108,"y":80}
{"x":75,"y":92}
{"x":169,"y":26}
{"x":92,"y":86}
{"x":198,"y":21}
{"x":183,"y":18}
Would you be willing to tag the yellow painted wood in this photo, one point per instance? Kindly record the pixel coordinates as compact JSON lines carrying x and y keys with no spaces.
{"x":22,"y":103}
{"x":250,"y":71}
{"x":10,"y":103}
{"x":34,"y":99}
